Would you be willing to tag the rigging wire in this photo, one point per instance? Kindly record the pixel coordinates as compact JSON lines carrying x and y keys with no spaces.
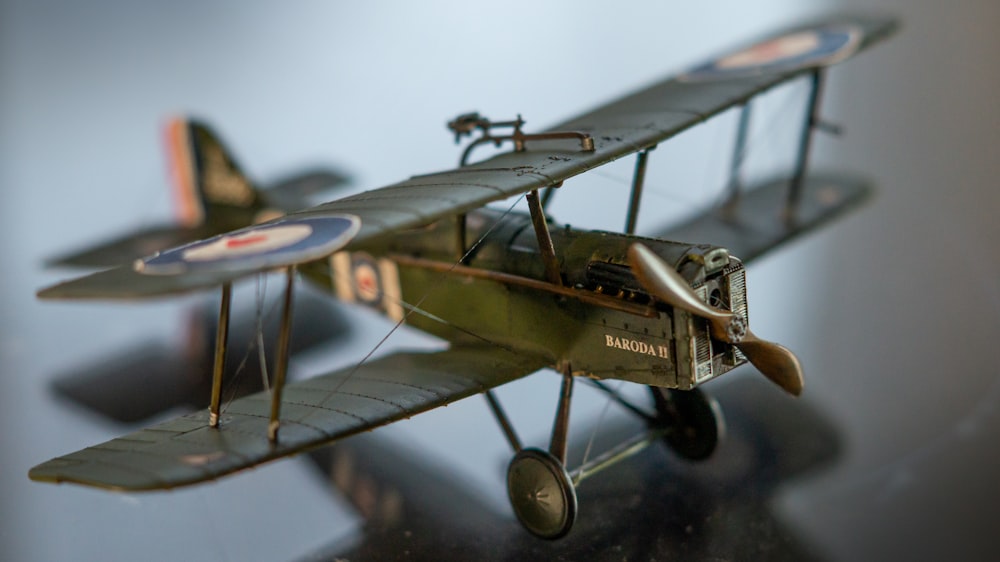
{"x":256,"y":342}
{"x":769,"y":129}
{"x":597,"y":426}
{"x":628,"y":183}
{"x":465,"y":331}
{"x":416,"y":307}
{"x":755,"y":140}
{"x":261,"y":352}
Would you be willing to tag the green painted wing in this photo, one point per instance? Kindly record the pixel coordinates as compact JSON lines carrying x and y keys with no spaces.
{"x":619,"y":128}
{"x":314,"y":412}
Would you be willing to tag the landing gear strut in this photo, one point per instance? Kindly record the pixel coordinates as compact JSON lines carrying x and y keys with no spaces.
{"x":542,"y":492}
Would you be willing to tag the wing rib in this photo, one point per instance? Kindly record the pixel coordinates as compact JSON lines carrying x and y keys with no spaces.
{"x":314,"y":412}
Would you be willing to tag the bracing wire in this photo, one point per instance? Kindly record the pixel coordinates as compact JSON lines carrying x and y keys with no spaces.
{"x":755,"y":140}
{"x":410,"y":309}
{"x":256,"y":343}
{"x":261,"y":352}
{"x":597,"y":426}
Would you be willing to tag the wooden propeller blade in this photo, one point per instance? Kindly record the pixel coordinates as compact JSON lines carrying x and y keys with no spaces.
{"x":775,"y":362}
{"x":664,"y":282}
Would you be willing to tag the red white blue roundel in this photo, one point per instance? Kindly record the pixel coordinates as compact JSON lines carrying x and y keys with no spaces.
{"x":801,"y":49}
{"x":367,"y":279}
{"x":275,"y":244}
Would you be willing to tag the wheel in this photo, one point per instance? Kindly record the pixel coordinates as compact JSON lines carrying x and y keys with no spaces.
{"x":541,"y":493}
{"x":694,"y":419}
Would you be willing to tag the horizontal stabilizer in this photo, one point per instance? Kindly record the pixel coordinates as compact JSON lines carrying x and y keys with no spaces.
{"x":314,"y":412}
{"x":123,"y":282}
{"x":756,"y":222}
{"x":132,"y":246}
{"x":614,"y":130}
{"x":300,"y":191}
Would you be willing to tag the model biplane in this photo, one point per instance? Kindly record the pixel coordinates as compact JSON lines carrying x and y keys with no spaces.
{"x":511,"y":292}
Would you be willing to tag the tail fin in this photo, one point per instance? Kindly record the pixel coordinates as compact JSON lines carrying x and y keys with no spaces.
{"x":208,"y":183}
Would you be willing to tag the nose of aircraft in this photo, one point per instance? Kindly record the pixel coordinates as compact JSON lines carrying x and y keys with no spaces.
{"x":774,"y":361}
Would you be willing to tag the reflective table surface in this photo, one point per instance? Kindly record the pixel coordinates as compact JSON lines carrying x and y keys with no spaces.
{"x":890,"y":454}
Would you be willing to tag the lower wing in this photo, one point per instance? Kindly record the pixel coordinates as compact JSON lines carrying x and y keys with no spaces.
{"x":755,"y":222}
{"x":314,"y":412}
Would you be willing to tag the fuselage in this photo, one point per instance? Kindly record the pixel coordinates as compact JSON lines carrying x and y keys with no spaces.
{"x":600,"y":321}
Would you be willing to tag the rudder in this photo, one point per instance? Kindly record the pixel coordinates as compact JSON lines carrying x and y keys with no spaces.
{"x":208,"y":183}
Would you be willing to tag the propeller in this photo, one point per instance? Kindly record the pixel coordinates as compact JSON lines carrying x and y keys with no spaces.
{"x":777,"y":363}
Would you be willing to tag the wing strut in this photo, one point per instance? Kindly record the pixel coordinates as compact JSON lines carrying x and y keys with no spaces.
{"x":460,"y":237}
{"x":221,"y":339}
{"x":281,"y":360}
{"x":805,"y":142}
{"x":739,"y":155}
{"x":545,"y":246}
{"x":636,"y":197}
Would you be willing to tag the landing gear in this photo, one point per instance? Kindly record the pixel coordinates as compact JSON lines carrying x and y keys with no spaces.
{"x":541,"y":493}
{"x":694,"y":421}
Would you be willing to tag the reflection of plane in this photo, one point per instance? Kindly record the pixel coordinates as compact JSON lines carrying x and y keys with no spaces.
{"x":512,"y":293}
{"x":156,"y":376}
{"x":212,"y":196}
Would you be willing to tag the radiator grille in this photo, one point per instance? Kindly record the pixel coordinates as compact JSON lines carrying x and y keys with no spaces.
{"x":738,"y":292}
{"x":738,"y":301}
{"x":703,"y":342}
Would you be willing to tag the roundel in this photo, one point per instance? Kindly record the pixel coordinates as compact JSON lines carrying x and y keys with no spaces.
{"x":800,"y":49}
{"x":275,"y":244}
{"x":367,"y":280}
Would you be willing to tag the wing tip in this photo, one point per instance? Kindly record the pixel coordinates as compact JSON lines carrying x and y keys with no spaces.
{"x":66,"y":470}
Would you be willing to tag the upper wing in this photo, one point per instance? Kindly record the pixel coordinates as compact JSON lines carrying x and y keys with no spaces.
{"x":314,"y":412}
{"x":619,"y":128}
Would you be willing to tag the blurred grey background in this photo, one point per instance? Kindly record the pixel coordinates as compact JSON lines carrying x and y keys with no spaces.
{"x":894,"y":311}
